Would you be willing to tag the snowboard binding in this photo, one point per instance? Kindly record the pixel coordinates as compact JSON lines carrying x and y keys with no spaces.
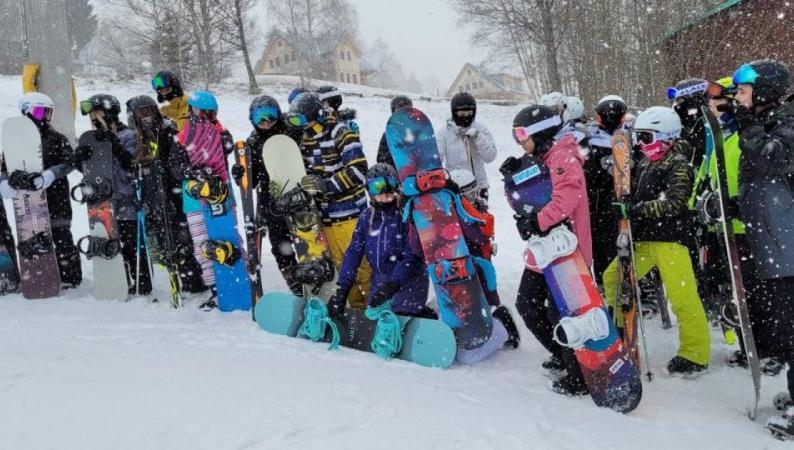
{"x":291,"y":202}
{"x":39,"y":244}
{"x":388,"y":340}
{"x":432,"y":180}
{"x":212,"y":189}
{"x":93,"y":246}
{"x":316,"y":323}
{"x":543,"y":250}
{"x":591,"y":326}
{"x":315,"y":273}
{"x":451,"y":271}
{"x":92,"y":191}
{"x":222,"y":252}
{"x":25,"y":181}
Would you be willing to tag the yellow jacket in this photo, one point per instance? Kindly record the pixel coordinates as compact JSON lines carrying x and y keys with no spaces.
{"x":176,"y":110}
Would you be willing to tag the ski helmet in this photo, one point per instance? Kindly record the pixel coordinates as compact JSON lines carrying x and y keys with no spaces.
{"x":381,"y":179}
{"x":539,"y":122}
{"x":610,"y":111}
{"x":770,"y":79}
{"x":655,"y":129}
{"x":203,"y":101}
{"x":306,"y":110}
{"x":263,"y":108}
{"x":104,"y":102}
{"x":140,"y":107}
{"x":400,"y":102}
{"x":688,"y":96}
{"x":552,"y":99}
{"x":464,"y":109}
{"x":37,"y":106}
{"x":295,"y":93}
{"x":331,"y":95}
{"x":164,"y":80}
{"x":572,"y":109}
{"x":464,"y":179}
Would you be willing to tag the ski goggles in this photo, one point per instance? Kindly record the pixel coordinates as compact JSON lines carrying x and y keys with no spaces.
{"x":716,"y":90}
{"x":463,"y":113}
{"x":40,"y":113}
{"x":675,"y":93}
{"x":428,"y":180}
{"x":146,"y":111}
{"x":264,"y":114}
{"x":159,"y":83}
{"x":298,"y":120}
{"x":381,"y":185}
{"x":86,"y":106}
{"x":212,"y":116}
{"x":648,"y":137}
{"x":521,"y":134}
{"x":745,"y":75}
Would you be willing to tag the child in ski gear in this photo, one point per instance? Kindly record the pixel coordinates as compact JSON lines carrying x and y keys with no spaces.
{"x":534,"y":128}
{"x":384,"y":155}
{"x":265,"y":116}
{"x":103,"y":110}
{"x":573,"y":120}
{"x":382,"y":236}
{"x":331,"y":98}
{"x":165,"y":221}
{"x":660,"y":185}
{"x":169,"y":89}
{"x":553,"y":100}
{"x":765,"y":122}
{"x":687,"y":97}
{"x":58,"y":161}
{"x":293,"y":94}
{"x":336,"y":168}
{"x":465,"y":143}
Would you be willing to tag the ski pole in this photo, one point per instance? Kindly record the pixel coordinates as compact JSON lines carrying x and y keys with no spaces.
{"x":649,"y":374}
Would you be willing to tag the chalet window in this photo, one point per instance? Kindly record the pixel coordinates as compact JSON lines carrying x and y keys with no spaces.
{"x":342,"y":77}
{"x":348,"y":78}
{"x":355,"y":79}
{"x":348,"y":57}
{"x":481,"y":84}
{"x":270,"y":63}
{"x":278,"y":61}
{"x":294,"y":57}
{"x":343,"y":55}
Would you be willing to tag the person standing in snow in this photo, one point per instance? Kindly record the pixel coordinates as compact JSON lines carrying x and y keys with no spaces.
{"x":169,"y":89}
{"x":331,"y":98}
{"x":384,"y":154}
{"x":465,"y":143}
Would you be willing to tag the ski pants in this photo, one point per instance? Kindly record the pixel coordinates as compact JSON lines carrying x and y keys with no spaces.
{"x":675,"y":268}
{"x":339,"y":236}
{"x":68,"y":256}
{"x":491,"y":346}
{"x":539,"y":312}
{"x":135,"y":259}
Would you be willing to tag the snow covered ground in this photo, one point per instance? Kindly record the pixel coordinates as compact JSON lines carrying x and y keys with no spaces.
{"x":76,"y":373}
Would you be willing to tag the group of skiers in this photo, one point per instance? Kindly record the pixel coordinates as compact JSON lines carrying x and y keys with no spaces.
{"x":377,"y":255}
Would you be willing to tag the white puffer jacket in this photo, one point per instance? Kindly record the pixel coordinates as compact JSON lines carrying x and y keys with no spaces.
{"x":454,"y":154}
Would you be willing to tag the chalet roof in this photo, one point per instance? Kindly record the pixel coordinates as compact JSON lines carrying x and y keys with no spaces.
{"x":491,"y":77}
{"x":327,"y":45}
{"x":705,"y":15}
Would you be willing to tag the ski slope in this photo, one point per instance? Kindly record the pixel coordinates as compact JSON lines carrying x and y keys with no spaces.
{"x":76,"y":373}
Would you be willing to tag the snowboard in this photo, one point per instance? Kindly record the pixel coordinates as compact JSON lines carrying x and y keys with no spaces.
{"x":714,"y":142}
{"x":628,"y":291}
{"x":610,"y":374}
{"x":38,"y":265}
{"x":252,"y":234}
{"x":284,"y":163}
{"x":426,"y":342}
{"x":102,"y":245}
{"x":437,"y":212}
{"x":212,"y":219}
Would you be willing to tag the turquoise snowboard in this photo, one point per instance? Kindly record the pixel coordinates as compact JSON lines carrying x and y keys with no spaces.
{"x":426,"y":342}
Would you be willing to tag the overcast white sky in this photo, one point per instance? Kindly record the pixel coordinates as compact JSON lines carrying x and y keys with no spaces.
{"x":423,"y":34}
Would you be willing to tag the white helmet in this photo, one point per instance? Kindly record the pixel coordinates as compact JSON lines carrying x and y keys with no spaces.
{"x":33,"y":99}
{"x":552,"y":99}
{"x":572,"y":108}
{"x":661,"y":120}
{"x":464,"y":179}
{"x":611,"y":98}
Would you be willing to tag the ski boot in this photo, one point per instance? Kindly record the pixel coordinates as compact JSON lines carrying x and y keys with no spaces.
{"x":93,"y":246}
{"x":593,"y":325}
{"x":92,"y":192}
{"x":222,"y":252}
{"x":769,"y":366}
{"x":782,"y":427}
{"x":212,"y":189}
{"x":782,"y":401}
{"x":570,"y":386}
{"x":211,"y":303}
{"x":503,"y":314}
{"x":315,"y":273}
{"x":553,"y":365}
{"x":685,"y":368}
{"x":542,"y":251}
{"x":38,"y":244}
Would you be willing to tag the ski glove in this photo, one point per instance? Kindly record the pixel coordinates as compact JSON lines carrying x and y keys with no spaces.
{"x":238,"y":172}
{"x":6,"y":191}
{"x":383,"y":293}
{"x":626,"y":209}
{"x":527,"y":225}
{"x":708,"y":208}
{"x":314,"y":184}
{"x":337,"y":302}
{"x":472,"y":133}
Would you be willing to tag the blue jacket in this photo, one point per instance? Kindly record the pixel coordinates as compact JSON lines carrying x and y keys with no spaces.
{"x":381,"y":235}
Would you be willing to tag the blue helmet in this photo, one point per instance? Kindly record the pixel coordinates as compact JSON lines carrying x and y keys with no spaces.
{"x":203,"y":100}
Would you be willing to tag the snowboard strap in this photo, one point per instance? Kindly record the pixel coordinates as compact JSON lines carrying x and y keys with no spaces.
{"x":93,"y":246}
{"x":316,"y":321}
{"x":38,"y":244}
{"x":388,"y":340}
{"x":488,"y":271}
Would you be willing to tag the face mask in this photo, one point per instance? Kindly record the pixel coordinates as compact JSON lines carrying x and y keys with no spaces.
{"x":655,"y":150}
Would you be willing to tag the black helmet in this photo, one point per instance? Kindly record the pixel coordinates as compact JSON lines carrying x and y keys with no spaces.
{"x":770,"y":79}
{"x":165,"y":79}
{"x":688,"y":96}
{"x":540,"y":122}
{"x":610,"y":111}
{"x":305,"y":110}
{"x":400,"y":102}
{"x":464,"y":109}
{"x":331,"y":95}
{"x":293,"y":94}
{"x":140,"y":106}
{"x":105,"y":102}
{"x":263,"y":108}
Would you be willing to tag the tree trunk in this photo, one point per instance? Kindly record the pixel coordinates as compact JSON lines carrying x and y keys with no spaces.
{"x":253,"y":87}
{"x":550,"y":45}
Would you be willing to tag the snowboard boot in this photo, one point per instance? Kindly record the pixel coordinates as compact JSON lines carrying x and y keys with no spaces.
{"x":782,"y":427}
{"x":574,"y":332}
{"x":424,"y":312}
{"x":569,"y":385}
{"x":685,"y":368}
{"x":212,"y":302}
{"x":503,"y":315}
{"x":769,"y":366}
{"x":782,"y":401}
{"x":554,"y":364}
{"x":213,"y":190}
{"x":542,"y":251}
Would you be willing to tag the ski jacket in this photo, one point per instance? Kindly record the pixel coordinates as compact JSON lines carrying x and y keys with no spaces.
{"x":707,"y":173}
{"x":459,"y":151}
{"x":383,"y":237}
{"x":58,"y":156}
{"x":696,"y":138}
{"x":124,"y":148}
{"x":569,"y":194}
{"x":337,"y":156}
{"x":766,"y":201}
{"x":384,"y":154}
{"x":176,"y":110}
{"x":196,"y":157}
{"x":659,"y":191}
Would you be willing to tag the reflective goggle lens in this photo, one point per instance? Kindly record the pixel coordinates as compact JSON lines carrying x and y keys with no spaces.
{"x":40,"y":113}
{"x":520,"y":134}
{"x":158,"y":83}
{"x":297,"y":120}
{"x":745,"y":75}
{"x":464,"y":113}
{"x":645,"y":137}
{"x":86,"y":106}
{"x":264,"y":114}
{"x":381,"y":185}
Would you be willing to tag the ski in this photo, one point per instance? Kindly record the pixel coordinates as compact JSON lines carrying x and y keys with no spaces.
{"x":253,"y":236}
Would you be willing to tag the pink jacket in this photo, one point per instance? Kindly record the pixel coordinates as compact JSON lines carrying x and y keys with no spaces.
{"x":569,"y":194}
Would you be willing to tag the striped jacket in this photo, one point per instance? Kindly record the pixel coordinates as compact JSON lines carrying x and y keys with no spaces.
{"x":338,"y":156}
